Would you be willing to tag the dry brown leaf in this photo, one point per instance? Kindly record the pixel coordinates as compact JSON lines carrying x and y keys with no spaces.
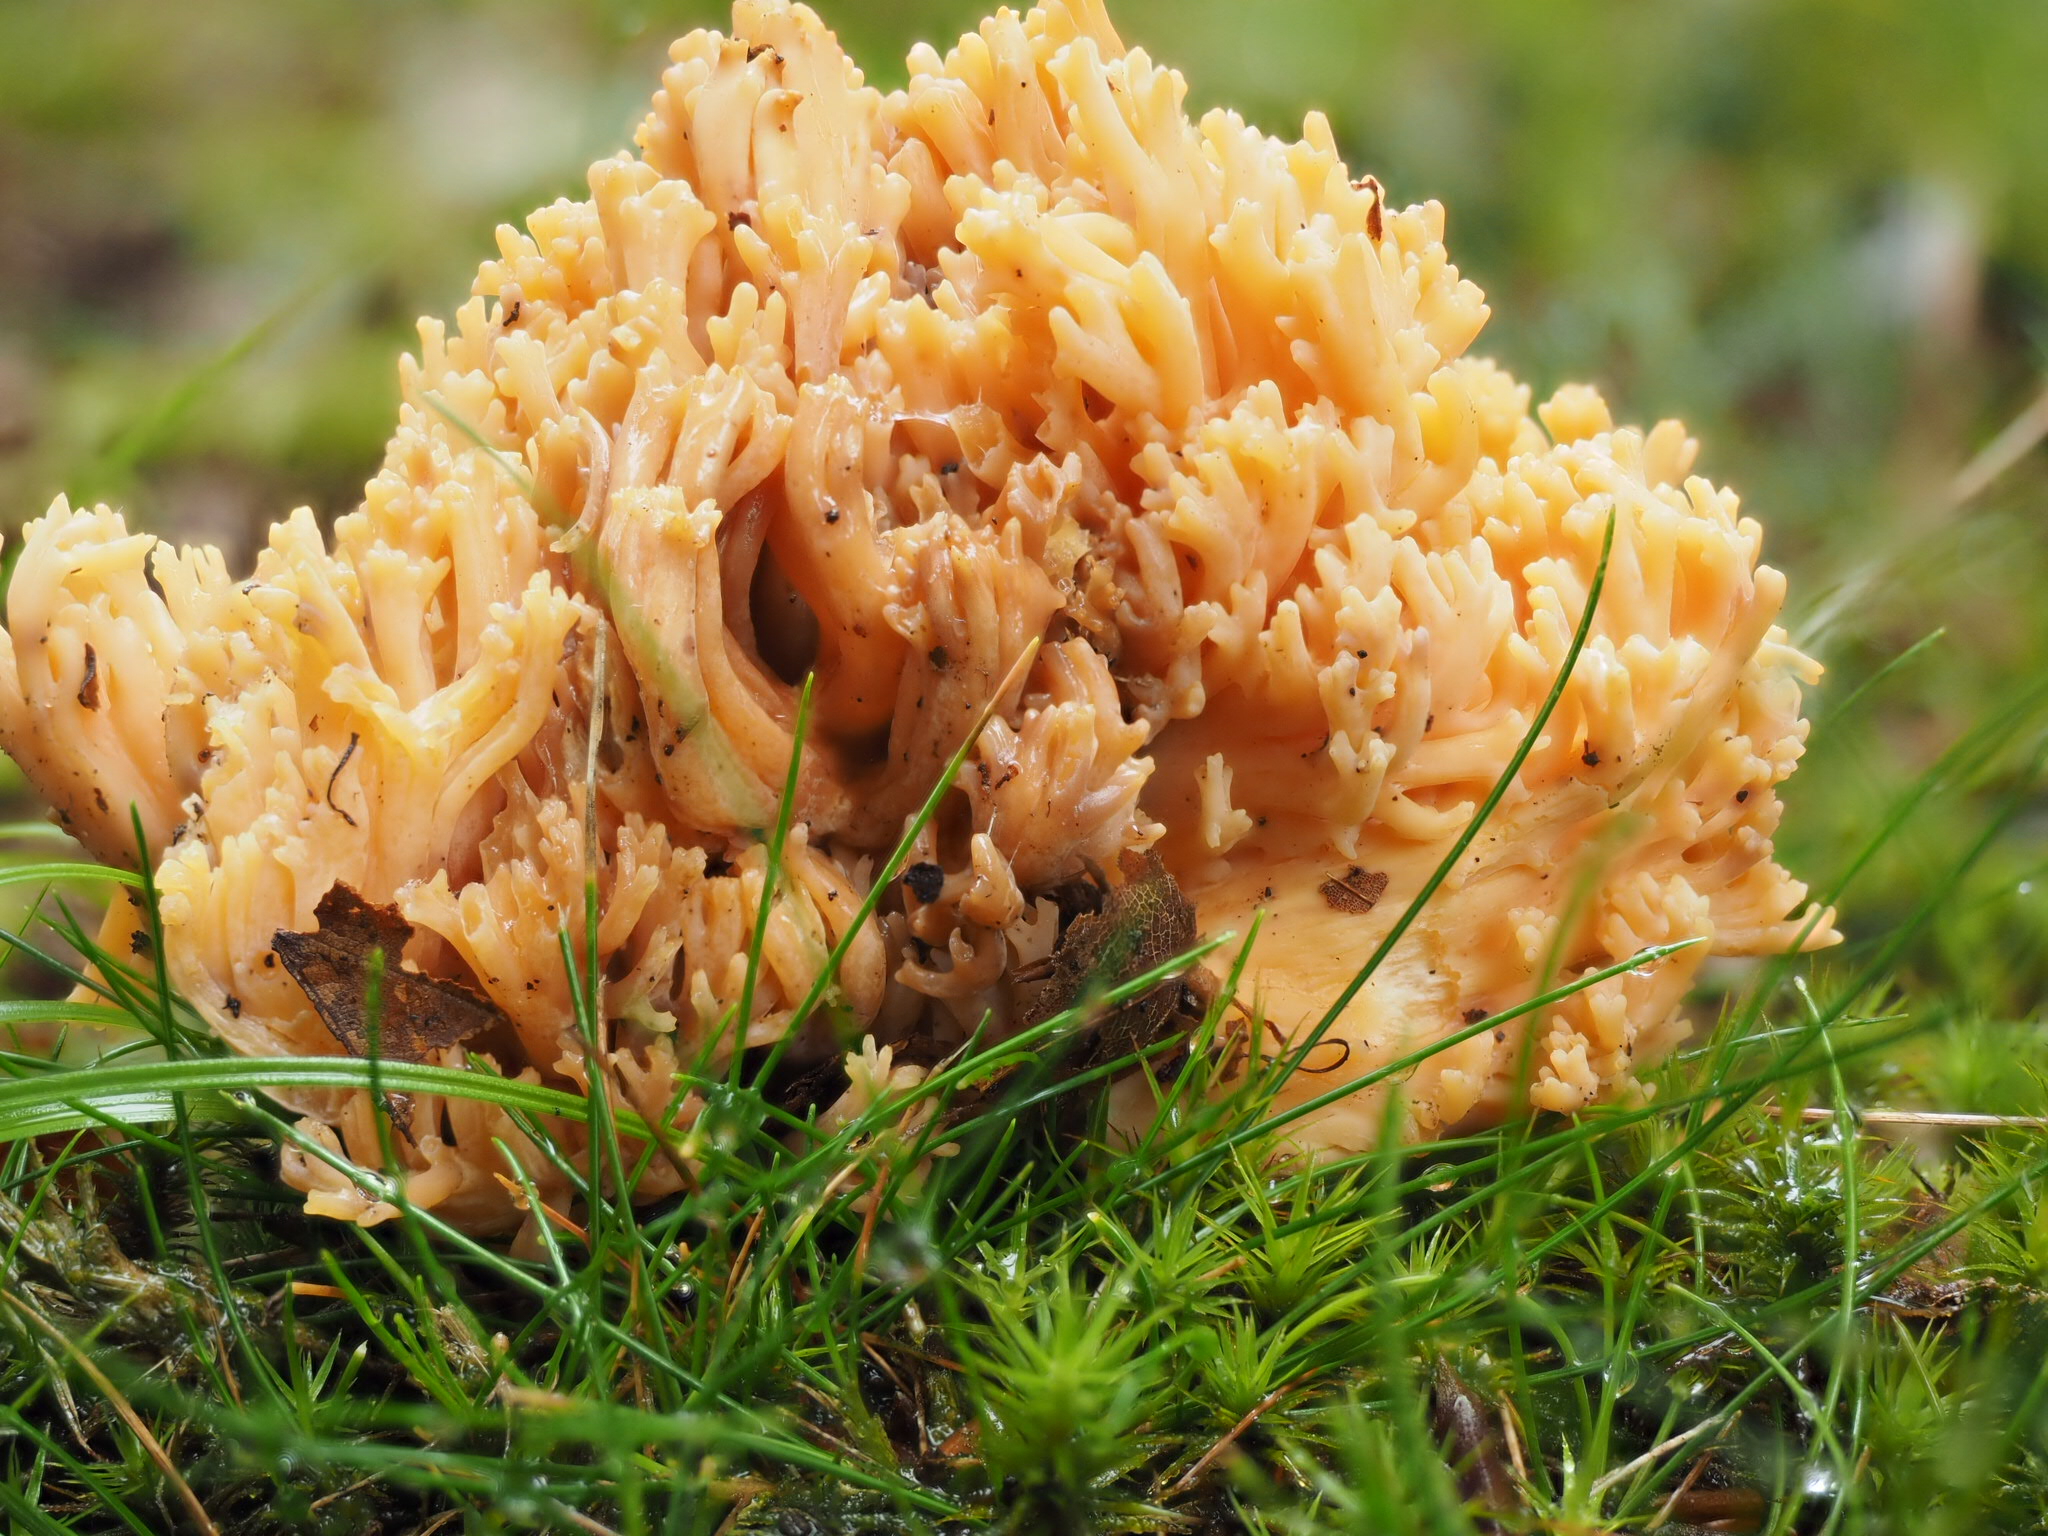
{"x":419,"y":1015}
{"x":1356,"y":891}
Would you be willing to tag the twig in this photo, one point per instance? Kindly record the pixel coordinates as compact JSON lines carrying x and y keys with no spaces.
{"x":1514,"y":1440}
{"x":732,"y":1516}
{"x":1193,"y":1475}
{"x":227,"y":1368}
{"x":1954,"y":1119}
{"x":876,"y":1341}
{"x":1692,"y":1476}
{"x":341,"y":1493}
{"x":739,"y":1264}
{"x":1656,"y":1453}
{"x":121,"y":1406}
{"x":867,"y":1224}
{"x":562,"y":1222}
{"x":582,"y":1521}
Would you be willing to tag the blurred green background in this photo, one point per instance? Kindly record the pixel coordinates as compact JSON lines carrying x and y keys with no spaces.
{"x":1817,"y":230}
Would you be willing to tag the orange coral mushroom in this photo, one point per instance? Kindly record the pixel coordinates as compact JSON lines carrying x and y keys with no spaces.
{"x":888,"y":388}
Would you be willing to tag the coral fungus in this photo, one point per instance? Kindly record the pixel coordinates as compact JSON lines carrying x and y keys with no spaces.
{"x":886,"y":389}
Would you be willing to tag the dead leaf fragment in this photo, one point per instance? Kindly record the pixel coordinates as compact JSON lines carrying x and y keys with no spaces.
{"x":1143,"y":923}
{"x":1356,"y":891}
{"x":420,"y":1014}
